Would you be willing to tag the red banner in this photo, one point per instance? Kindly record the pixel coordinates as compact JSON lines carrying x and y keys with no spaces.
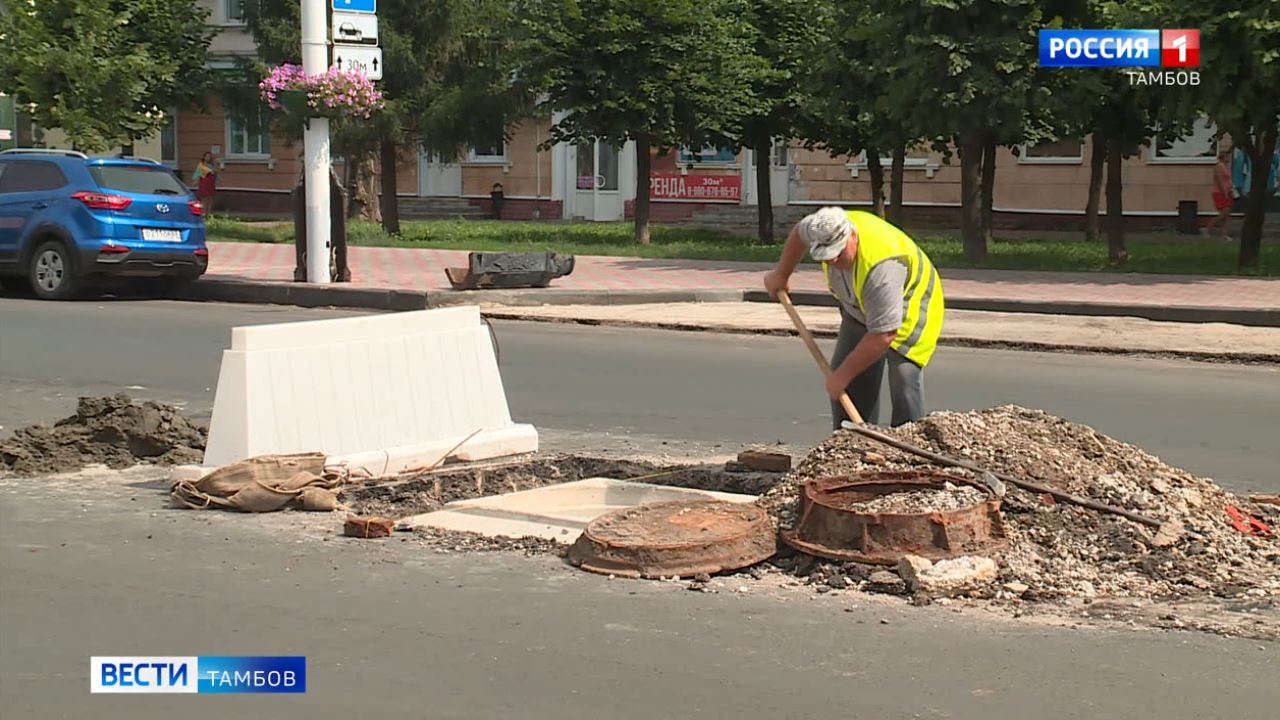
{"x":696,"y":187}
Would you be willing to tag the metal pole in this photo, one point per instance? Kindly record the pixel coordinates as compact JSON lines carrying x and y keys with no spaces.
{"x":315,"y":61}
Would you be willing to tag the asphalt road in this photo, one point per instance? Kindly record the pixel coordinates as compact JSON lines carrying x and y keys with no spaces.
{"x":627,"y":388}
{"x":98,"y":566}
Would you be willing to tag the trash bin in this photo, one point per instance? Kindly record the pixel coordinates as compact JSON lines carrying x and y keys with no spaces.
{"x":1188,"y":217}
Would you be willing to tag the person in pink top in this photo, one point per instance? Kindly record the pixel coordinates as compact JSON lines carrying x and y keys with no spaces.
{"x":1223,"y":194}
{"x":206,"y":180}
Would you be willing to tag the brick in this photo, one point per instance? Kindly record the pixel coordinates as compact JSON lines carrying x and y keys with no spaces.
{"x":771,"y":462}
{"x":368,"y":527}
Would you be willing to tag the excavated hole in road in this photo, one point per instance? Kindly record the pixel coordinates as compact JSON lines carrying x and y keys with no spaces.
{"x":432,"y":490}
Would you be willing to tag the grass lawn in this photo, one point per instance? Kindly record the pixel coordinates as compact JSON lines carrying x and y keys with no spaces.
{"x":1189,"y":256}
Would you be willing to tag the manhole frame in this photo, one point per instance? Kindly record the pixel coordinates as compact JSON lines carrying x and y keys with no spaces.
{"x":870,"y":537}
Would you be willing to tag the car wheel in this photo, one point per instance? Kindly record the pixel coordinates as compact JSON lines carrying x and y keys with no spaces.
{"x":52,"y":275}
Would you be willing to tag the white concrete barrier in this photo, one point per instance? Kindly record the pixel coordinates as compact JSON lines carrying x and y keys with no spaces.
{"x":380,"y":392}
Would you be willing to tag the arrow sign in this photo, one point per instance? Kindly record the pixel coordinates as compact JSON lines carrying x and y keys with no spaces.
{"x":358,"y":6}
{"x":355,"y":28}
{"x":356,"y":58}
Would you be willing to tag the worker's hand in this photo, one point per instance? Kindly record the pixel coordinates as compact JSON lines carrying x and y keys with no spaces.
{"x":836,"y":384}
{"x":773,"y":282}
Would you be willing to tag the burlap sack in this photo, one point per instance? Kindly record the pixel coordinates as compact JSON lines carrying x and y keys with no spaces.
{"x":264,"y":484}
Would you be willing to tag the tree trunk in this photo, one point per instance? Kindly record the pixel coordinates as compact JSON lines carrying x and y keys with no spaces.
{"x":1263,"y":148}
{"x":764,"y":190}
{"x":988,"y":185}
{"x":367,"y":191}
{"x":1116,"y":251}
{"x":896,"y":172}
{"x":350,"y":181}
{"x":390,"y":203}
{"x":975,"y":242}
{"x":1097,"y":164}
{"x":876,"y":170}
{"x":643,"y":163}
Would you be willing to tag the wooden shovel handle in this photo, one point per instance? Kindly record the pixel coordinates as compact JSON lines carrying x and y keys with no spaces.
{"x":816,"y":352}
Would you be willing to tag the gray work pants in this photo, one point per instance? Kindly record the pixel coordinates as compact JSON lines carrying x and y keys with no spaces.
{"x":906,"y":380}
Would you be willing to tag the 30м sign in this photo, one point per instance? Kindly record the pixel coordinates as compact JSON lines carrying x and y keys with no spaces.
{"x":726,"y":188}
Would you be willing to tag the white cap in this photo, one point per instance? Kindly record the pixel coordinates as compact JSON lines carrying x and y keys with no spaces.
{"x":826,"y":232}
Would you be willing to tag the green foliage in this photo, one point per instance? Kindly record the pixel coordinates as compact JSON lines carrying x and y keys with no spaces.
{"x":447,"y":72}
{"x":680,"y":72}
{"x":105,"y":72}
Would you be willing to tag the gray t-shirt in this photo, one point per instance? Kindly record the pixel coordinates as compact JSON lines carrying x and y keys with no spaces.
{"x":882,"y":305}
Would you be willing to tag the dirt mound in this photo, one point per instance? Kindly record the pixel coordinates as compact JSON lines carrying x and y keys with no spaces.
{"x":114,"y":431}
{"x":1059,"y":550}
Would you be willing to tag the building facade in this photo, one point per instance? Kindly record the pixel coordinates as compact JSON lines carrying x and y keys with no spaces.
{"x":1043,"y":185}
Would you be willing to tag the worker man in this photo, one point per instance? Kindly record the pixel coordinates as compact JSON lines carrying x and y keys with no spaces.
{"x":891,"y":308}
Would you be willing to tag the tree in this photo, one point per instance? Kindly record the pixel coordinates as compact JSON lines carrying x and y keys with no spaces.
{"x":105,"y":72}
{"x":972,"y":66}
{"x":856,"y":102}
{"x":1240,"y":74}
{"x":783,"y":39}
{"x":447,"y":82}
{"x":663,"y":74}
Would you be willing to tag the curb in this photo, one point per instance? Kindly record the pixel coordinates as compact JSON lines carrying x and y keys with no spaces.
{"x":1254,"y":317}
{"x":344,"y":296}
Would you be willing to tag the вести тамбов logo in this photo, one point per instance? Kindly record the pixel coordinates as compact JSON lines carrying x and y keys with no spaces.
{"x":198,"y":674}
{"x":1178,"y":51}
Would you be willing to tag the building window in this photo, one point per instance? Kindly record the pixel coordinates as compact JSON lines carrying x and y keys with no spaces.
{"x":1065,"y":151}
{"x":492,"y":151}
{"x":779,"y":150}
{"x":916,"y":159}
{"x":233,"y":11}
{"x":709,"y":154}
{"x":249,"y":137}
{"x":1199,"y":146}
{"x":169,"y":140}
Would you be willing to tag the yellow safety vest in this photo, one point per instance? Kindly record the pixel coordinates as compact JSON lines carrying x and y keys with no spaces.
{"x":922,"y":300}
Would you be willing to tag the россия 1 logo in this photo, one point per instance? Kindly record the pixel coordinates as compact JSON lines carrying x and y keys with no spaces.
{"x":1126,"y":49}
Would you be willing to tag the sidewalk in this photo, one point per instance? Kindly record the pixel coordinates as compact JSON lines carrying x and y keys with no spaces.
{"x":1253,"y":301}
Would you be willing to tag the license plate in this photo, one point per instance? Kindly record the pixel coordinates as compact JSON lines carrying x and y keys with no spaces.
{"x":160,"y":235}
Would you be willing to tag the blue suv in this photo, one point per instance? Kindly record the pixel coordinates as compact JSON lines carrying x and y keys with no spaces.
{"x":67,"y":219}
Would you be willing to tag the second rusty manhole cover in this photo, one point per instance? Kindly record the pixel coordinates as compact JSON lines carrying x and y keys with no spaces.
{"x":836,"y":519}
{"x":681,"y":538}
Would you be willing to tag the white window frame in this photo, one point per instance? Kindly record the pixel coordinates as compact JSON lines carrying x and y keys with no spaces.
{"x":247,"y":156}
{"x":694,"y":161}
{"x":1211,"y":159}
{"x":475,"y":158}
{"x":909,"y":163}
{"x":1025,"y":159}
{"x":172,"y":162}
{"x":225,"y":7}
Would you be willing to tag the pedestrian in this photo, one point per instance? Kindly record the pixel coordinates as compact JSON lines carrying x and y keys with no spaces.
{"x":206,"y":180}
{"x":1224,"y":195}
{"x":891,"y":308}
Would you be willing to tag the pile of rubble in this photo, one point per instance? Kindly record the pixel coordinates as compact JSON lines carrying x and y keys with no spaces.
{"x":1058,"y":550}
{"x":114,"y":431}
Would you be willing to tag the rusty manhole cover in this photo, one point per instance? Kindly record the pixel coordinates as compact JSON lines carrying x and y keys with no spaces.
{"x":681,"y":538}
{"x":833,"y":524}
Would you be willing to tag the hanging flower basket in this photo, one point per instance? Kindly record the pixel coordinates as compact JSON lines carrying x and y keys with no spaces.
{"x":334,"y":94}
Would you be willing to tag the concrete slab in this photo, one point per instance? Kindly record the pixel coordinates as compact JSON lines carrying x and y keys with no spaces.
{"x":557,"y":512}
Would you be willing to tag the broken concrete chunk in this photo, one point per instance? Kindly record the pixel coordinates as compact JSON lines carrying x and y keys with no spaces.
{"x":1016,"y":588}
{"x":1168,"y":534}
{"x":949,"y":577}
{"x":883,"y":577}
{"x":910,"y":567}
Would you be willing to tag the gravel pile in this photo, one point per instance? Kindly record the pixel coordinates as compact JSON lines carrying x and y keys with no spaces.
{"x":954,"y":497}
{"x":114,"y":431}
{"x":1063,"y":551}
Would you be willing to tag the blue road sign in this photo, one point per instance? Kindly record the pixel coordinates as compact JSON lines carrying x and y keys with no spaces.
{"x":364,"y":6}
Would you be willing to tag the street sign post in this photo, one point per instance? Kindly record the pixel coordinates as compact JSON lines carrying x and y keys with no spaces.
{"x":358,"y":58}
{"x":357,"y":6}
{"x":354,"y":28}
